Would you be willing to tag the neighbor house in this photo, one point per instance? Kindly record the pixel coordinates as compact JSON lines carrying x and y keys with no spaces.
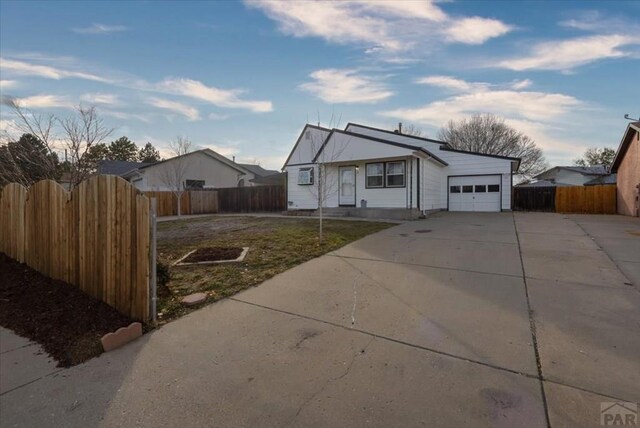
{"x":203,"y":169}
{"x":571,"y":176}
{"x":627,"y":166}
{"x":365,"y":170}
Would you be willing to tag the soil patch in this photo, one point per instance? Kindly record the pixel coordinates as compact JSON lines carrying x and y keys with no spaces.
{"x":213,"y":254}
{"x":65,"y":321}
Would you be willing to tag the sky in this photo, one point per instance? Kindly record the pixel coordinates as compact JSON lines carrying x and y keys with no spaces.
{"x":243,"y":78}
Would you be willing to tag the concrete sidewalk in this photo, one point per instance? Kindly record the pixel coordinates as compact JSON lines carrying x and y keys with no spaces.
{"x":21,"y":362}
{"x":458,"y":320}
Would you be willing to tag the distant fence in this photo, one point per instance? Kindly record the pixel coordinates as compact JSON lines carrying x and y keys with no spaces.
{"x":95,"y":237}
{"x":225,"y":200}
{"x":252,"y":199}
{"x":534,"y":199}
{"x":566,"y":199}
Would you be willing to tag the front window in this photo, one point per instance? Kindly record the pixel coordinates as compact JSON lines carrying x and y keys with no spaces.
{"x":375,"y":174}
{"x":395,"y":174}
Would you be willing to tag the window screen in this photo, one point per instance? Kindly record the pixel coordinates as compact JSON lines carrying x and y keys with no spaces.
{"x":467,"y":189}
{"x":494,"y":187}
{"x":194,"y":184}
{"x":481,"y":188}
{"x":375,"y":174}
{"x":395,"y":174}
{"x":454,"y":189}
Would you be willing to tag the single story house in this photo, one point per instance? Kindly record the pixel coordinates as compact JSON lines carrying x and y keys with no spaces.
{"x":363,"y":168}
{"x":200,"y":169}
{"x":627,"y":166}
{"x":568,"y":176}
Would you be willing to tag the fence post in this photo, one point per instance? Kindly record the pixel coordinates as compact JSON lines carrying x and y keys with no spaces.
{"x":154,"y":279}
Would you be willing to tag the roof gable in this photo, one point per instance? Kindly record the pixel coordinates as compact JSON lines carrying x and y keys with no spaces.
{"x":307,"y":145}
{"x":207,"y":152}
{"x":632,"y":131}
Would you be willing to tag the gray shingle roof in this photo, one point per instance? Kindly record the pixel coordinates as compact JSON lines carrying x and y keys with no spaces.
{"x":597,"y":169}
{"x":111,"y":167}
{"x":257,"y":169}
{"x":605,"y":179}
{"x":542,"y":183}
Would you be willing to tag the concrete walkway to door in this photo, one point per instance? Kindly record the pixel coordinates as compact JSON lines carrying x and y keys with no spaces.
{"x":477,"y":319}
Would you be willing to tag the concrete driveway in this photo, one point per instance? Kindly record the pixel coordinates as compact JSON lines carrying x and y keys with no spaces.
{"x":458,"y":320}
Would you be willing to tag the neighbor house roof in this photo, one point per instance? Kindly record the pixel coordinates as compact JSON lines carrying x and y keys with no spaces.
{"x":584,"y":170}
{"x":603,"y":179}
{"x":208,"y":152}
{"x":542,"y":183}
{"x":379,"y":140}
{"x":271,"y":179}
{"x":116,"y":167}
{"x":257,"y":170}
{"x":632,"y":129}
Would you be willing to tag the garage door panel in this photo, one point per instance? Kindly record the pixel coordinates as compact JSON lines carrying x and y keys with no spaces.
{"x":475,"y":193}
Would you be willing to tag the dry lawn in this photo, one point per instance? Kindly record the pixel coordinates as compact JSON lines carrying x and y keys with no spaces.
{"x":276,"y":244}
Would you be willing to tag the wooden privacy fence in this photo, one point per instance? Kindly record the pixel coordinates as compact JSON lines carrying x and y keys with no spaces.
{"x":225,"y":200}
{"x":95,"y":237}
{"x":566,"y":199}
{"x":600,"y":199}
{"x":534,"y":199}
{"x":252,"y":199}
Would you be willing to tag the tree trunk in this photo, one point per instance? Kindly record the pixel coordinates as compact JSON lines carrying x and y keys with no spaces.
{"x":179,"y":195}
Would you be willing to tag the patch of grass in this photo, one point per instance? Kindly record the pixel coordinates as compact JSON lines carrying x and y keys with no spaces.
{"x":275,"y":245}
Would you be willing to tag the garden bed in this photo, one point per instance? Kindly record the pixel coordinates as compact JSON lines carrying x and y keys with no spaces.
{"x":65,"y":321}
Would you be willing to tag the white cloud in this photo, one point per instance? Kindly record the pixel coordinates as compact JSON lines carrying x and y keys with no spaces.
{"x":219,"y":97}
{"x":44,"y":101}
{"x":382,"y":26}
{"x":8,"y":84}
{"x":100,"y":98}
{"x":100,"y":29}
{"x":345,"y":87}
{"x":476,"y":30}
{"x":185,"y":110}
{"x":22,"y":68}
{"x":568,"y":54}
{"x":540,"y":115}
{"x":451,"y":83}
{"x":125,"y":115}
{"x":521,"y":84}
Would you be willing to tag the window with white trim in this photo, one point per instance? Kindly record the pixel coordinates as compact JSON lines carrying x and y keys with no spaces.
{"x":305,"y":176}
{"x":375,"y":174}
{"x":395,"y":176}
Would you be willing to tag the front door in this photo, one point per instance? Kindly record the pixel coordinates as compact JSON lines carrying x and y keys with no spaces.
{"x":347,"y":192}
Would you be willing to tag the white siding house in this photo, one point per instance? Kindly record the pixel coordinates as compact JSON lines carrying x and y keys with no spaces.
{"x":366,"y":167}
{"x":202,"y":169}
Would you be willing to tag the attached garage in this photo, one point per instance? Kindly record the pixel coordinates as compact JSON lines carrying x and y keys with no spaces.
{"x":475,"y":193}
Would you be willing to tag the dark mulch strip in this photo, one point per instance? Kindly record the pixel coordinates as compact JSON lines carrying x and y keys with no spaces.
{"x":212,"y":254}
{"x":65,"y":321}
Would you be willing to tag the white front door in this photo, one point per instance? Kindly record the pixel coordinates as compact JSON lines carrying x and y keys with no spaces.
{"x":475,"y":193}
{"x":347,"y":191}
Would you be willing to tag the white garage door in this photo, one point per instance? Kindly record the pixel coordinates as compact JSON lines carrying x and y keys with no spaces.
{"x":475,"y":193}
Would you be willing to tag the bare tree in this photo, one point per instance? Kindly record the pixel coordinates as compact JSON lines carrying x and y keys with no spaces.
{"x":81,"y":132}
{"x":326,"y":183}
{"x":174,"y":171}
{"x":18,"y":159}
{"x":489,"y":134}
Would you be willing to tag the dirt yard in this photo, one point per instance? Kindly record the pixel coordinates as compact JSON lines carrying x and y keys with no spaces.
{"x":65,"y":321}
{"x":275,"y":245}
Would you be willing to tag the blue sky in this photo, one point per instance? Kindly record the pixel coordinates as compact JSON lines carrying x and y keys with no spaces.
{"x":243,"y":77}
